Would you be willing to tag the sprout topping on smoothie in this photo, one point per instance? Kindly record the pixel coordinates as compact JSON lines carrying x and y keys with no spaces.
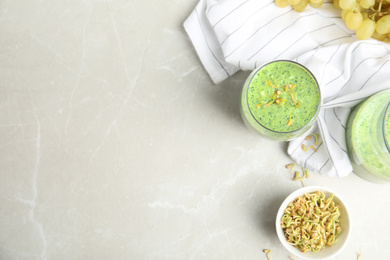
{"x":278,"y":98}
{"x":289,"y":122}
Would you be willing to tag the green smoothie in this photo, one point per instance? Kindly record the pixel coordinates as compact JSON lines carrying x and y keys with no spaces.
{"x":367,"y":135}
{"x":387,"y":128}
{"x":280,"y":100}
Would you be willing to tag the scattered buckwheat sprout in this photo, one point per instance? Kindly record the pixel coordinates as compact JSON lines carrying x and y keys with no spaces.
{"x":316,"y":136}
{"x":296,"y":174}
{"x":306,"y":148}
{"x":359,"y":255}
{"x":291,"y":167}
{"x":305,"y":173}
{"x":317,"y":142}
{"x":298,"y":178}
{"x":267,"y":252}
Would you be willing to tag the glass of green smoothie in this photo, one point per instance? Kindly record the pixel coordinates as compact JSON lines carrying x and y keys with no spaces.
{"x":280,"y":100}
{"x":368,"y":138}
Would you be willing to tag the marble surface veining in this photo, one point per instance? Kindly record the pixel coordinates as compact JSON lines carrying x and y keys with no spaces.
{"x":115,"y":144}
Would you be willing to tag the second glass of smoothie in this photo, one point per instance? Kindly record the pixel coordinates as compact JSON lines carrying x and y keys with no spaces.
{"x":280,"y":100}
{"x":368,"y":138}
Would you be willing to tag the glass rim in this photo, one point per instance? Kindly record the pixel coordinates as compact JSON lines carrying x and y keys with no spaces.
{"x":384,"y":126}
{"x":314,"y":118}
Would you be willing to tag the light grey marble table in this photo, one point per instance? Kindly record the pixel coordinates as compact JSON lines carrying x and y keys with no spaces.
{"x":115,"y":144}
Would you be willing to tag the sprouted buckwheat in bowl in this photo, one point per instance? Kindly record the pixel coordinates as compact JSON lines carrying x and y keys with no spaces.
{"x":313,"y":223}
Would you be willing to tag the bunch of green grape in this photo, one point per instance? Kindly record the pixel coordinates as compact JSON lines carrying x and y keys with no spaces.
{"x":299,"y":5}
{"x":368,"y":18}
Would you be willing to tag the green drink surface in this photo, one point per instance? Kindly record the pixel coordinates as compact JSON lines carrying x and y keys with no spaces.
{"x":297,"y":105}
{"x":365,"y":136}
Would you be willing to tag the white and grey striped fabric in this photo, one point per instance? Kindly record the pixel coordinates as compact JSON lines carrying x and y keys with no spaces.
{"x":233,"y":35}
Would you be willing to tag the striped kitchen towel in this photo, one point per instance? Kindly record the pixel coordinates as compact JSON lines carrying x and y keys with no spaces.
{"x":233,"y":35}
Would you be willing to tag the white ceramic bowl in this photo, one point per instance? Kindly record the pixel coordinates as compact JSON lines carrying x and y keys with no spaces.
{"x":329,"y":251}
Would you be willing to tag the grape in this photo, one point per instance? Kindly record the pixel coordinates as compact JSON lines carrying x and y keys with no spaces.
{"x":362,"y":9}
{"x":365,"y":15}
{"x":344,"y":13}
{"x":293,"y":2}
{"x":301,"y":6}
{"x":316,"y":5}
{"x":366,"y":4}
{"x":281,"y":3}
{"x":369,"y":18}
{"x":353,"y":19}
{"x":366,"y":29}
{"x":347,"y":4}
{"x":383,"y":25}
{"x":336,"y":4}
{"x":378,"y":36}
